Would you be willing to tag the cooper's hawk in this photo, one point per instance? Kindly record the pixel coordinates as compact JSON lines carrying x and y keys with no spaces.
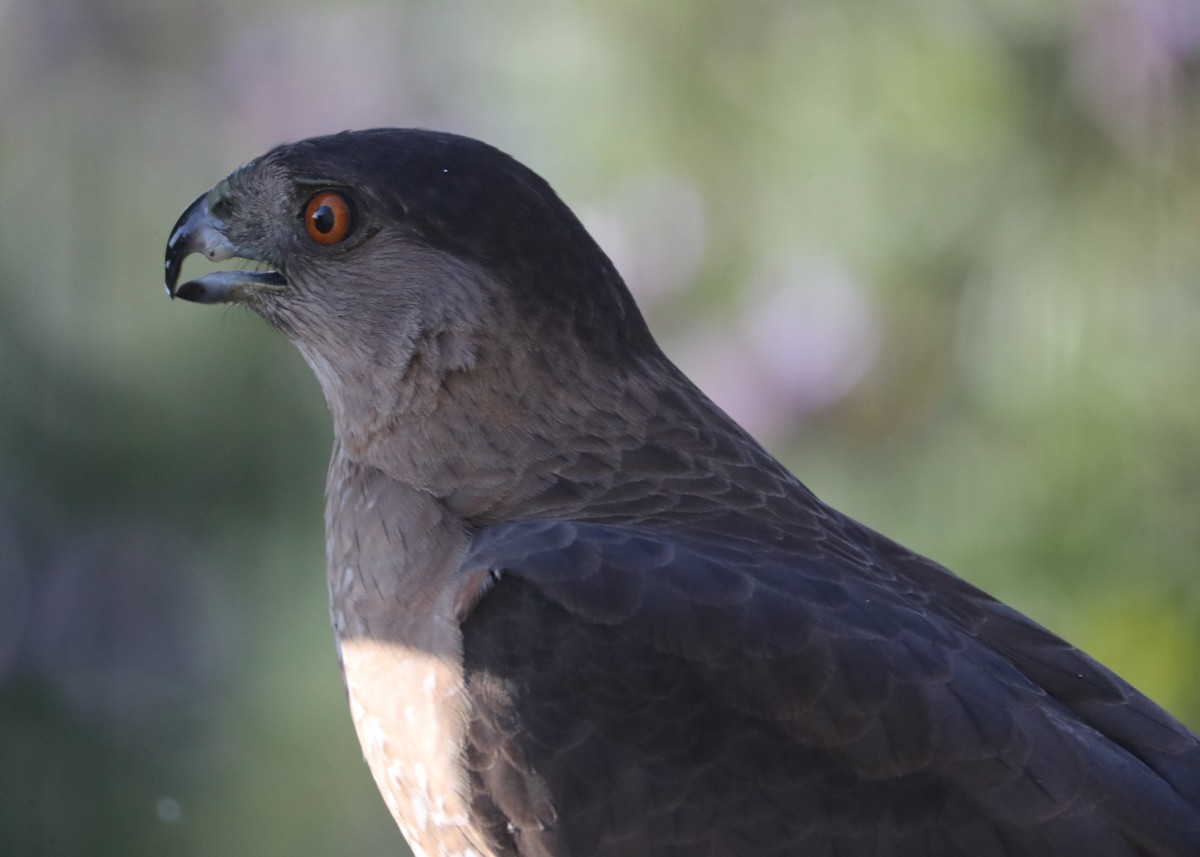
{"x":580,"y":611}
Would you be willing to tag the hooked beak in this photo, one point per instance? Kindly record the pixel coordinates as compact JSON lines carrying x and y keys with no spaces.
{"x":198,"y":230}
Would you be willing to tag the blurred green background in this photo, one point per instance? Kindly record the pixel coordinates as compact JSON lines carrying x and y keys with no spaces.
{"x":941,"y":257}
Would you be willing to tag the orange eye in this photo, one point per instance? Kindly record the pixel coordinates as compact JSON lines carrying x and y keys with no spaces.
{"x":327,"y":217}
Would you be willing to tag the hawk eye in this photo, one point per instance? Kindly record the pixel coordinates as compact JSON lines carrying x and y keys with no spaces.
{"x":327,"y":217}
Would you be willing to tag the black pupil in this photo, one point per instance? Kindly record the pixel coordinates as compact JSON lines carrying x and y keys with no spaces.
{"x":323,"y":219}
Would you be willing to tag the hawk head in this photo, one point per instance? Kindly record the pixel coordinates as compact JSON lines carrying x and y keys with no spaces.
{"x":402,"y":230}
{"x":396,"y":257}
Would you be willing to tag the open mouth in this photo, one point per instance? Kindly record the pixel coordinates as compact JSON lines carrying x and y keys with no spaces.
{"x":198,"y":230}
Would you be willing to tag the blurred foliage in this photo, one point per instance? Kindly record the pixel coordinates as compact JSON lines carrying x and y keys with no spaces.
{"x":942,"y":257}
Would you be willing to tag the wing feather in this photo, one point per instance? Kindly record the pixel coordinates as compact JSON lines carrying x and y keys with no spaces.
{"x":638,"y":692}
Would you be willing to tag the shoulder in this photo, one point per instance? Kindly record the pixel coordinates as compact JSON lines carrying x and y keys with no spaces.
{"x":858,"y":661}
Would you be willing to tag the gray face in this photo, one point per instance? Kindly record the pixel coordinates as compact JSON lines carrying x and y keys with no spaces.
{"x":423,"y":230}
{"x":322,"y":253}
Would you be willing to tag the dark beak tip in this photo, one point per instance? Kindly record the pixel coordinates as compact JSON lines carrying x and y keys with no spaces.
{"x":179,"y":244}
{"x":191,"y":291}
